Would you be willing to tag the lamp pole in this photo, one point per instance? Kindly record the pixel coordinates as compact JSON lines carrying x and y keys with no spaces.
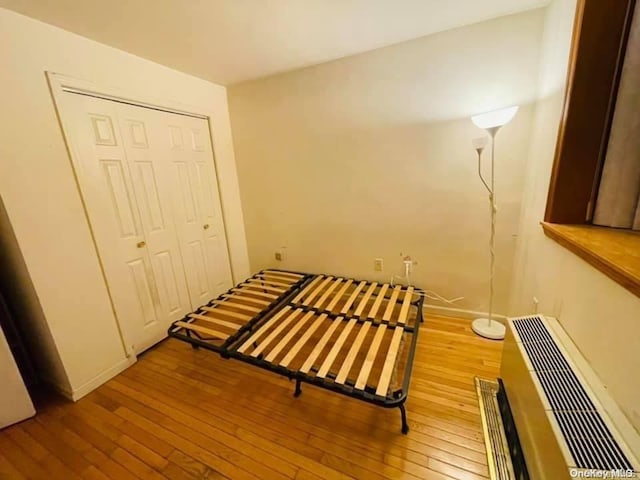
{"x":492,"y":238}
{"x":491,"y":123}
{"x":479,"y":146}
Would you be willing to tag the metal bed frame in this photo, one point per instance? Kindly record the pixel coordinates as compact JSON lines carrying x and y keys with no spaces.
{"x":288,"y":310}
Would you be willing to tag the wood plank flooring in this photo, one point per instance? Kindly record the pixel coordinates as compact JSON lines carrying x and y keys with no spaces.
{"x":181,"y":413}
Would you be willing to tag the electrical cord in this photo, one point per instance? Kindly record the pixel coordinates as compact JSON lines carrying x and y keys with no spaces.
{"x":435,"y":296}
{"x":430,"y":294}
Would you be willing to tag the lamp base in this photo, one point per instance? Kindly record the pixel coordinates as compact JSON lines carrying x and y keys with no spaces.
{"x":494,"y":330}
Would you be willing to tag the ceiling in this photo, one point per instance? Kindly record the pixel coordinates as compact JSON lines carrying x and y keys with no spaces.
{"x":230,"y":41}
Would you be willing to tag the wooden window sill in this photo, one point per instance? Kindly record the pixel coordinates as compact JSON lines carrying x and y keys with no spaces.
{"x":614,"y":252}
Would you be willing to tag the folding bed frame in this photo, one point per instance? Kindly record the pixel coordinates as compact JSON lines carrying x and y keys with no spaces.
{"x":343,"y":335}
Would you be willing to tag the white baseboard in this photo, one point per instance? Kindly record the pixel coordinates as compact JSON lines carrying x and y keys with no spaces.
{"x":460,"y":313}
{"x":77,"y":393}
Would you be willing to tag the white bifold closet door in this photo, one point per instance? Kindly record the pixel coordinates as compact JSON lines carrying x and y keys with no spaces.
{"x":149,"y":187}
{"x":195,"y":197}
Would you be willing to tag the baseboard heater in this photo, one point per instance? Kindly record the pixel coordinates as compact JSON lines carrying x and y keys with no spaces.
{"x":549,"y":417}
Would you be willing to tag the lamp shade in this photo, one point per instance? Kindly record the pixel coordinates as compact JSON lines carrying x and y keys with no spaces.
{"x":495,"y":118}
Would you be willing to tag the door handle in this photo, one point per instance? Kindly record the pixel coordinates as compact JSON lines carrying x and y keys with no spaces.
{"x":205,"y":226}
{"x":141,"y":244}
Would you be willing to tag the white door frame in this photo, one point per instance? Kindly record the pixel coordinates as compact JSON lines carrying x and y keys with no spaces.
{"x":60,"y":84}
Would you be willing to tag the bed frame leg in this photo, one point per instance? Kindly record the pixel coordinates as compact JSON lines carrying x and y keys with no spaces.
{"x":403,"y":414}
{"x":193,"y":345}
{"x":298,"y":389}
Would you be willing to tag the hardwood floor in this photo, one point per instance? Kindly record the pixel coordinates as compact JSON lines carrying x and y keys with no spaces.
{"x":186,"y":414}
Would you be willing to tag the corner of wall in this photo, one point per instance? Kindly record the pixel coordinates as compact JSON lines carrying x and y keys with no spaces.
{"x":554,"y":62}
{"x":23,"y":298}
{"x":225,"y":159}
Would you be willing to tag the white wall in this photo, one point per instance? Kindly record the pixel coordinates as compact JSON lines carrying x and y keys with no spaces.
{"x":40,"y":194}
{"x":371,"y":156}
{"x":602,"y":318}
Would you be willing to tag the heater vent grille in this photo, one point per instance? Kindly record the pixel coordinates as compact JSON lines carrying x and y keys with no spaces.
{"x":584,"y":431}
{"x":590,"y":441}
{"x":546,"y":356}
{"x":564,"y":391}
{"x":531,"y":329}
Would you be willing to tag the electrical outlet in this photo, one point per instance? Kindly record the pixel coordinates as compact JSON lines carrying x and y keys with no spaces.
{"x":378,"y":264}
{"x":408,"y":263}
{"x":281,"y":254}
{"x":536,"y":304}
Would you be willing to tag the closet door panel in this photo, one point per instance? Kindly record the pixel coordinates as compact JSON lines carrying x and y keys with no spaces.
{"x":114,"y":182}
{"x":187,"y":202}
{"x":210,"y":210}
{"x":170,"y":284}
{"x":141,"y":277}
{"x":106,"y":186}
{"x":146,"y":182}
{"x":183,"y":194}
{"x":144,"y":145}
{"x":197,"y":265}
{"x":197,"y":207}
{"x":217,"y":267}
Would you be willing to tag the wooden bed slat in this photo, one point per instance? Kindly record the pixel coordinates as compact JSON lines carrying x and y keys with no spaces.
{"x":317,"y":291}
{"x":307,"y":289}
{"x":297,"y":276}
{"x":268,"y":288}
{"x":406,"y":303}
{"x":392,"y":303}
{"x":245,"y":298}
{"x":221,"y":311}
{"x":276,"y":331}
{"x":333,"y":353}
{"x":353,"y":296}
{"x":199,"y":329}
{"x":285,"y":282}
{"x":278,"y":278}
{"x":328,"y":291}
{"x":365,"y":299}
{"x":263,"y":329}
{"x":287,"y":338}
{"x":239,"y":306}
{"x":353,"y":352}
{"x":252,"y":292}
{"x":262,"y":281}
{"x":361,"y":382}
{"x":376,"y":304}
{"x":317,"y":350}
{"x":339,"y":295}
{"x":215,"y":321}
{"x":293,"y":351}
{"x":389,"y":362}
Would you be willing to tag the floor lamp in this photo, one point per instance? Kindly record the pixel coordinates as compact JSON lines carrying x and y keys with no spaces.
{"x":491,"y":122}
